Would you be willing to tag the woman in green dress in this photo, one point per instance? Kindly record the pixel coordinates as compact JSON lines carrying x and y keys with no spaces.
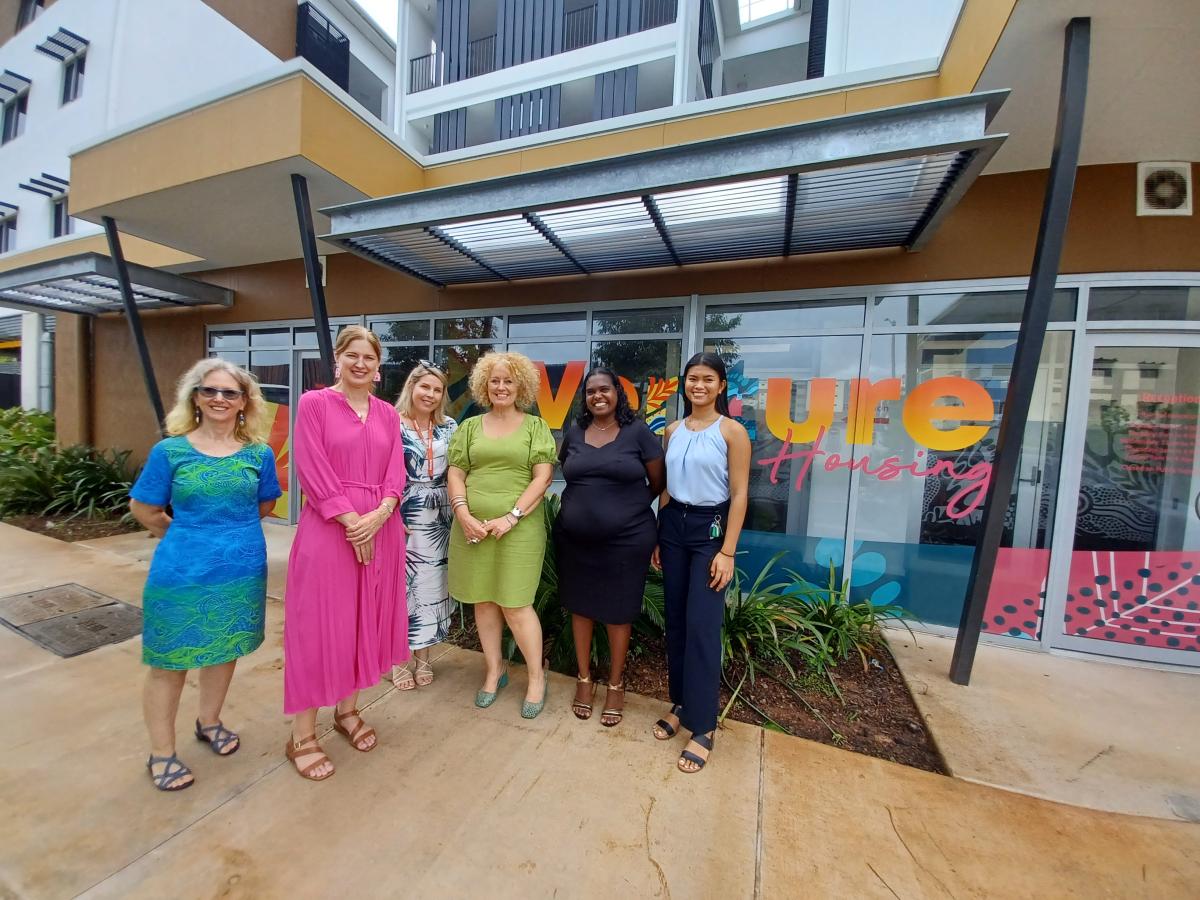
{"x":501,"y":464}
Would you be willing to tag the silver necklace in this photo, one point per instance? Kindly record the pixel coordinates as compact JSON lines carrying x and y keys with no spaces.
{"x":606,"y":427}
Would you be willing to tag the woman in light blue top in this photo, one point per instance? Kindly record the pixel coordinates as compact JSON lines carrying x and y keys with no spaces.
{"x":700,"y":518}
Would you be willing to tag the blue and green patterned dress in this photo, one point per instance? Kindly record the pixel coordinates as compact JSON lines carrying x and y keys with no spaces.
{"x":205,"y":597}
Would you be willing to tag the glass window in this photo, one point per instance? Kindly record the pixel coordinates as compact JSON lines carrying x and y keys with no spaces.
{"x":14,"y":118}
{"x":237,"y":357}
{"x":8,"y":234}
{"x":270,"y":337}
{"x":638,"y":321}
{"x":784,"y":318}
{"x":63,"y":224}
{"x":273,"y":369}
{"x":1152,"y":303}
{"x":792,"y":394}
{"x":974,"y":308}
{"x":307,"y":337}
{"x":397,"y":363}
{"x":221,"y":340}
{"x":547,"y":325}
{"x":469,"y":329}
{"x":73,"y":78}
{"x":925,"y":433}
{"x":561,"y":365}
{"x":402,"y":330}
{"x":30,"y":10}
{"x":457,"y":360}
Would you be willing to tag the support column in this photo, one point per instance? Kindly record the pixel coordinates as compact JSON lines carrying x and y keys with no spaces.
{"x":135,"y":320}
{"x":312,"y":269}
{"x":1060,"y":187}
{"x":687,"y":58}
{"x":33,"y":325}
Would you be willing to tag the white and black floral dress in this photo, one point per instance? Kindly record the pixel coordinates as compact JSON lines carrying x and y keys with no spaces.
{"x":425,"y":508}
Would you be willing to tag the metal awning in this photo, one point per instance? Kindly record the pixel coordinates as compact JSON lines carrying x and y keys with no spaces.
{"x":883,"y":178}
{"x":63,"y":45}
{"x":87,"y":284}
{"x":12,"y":84}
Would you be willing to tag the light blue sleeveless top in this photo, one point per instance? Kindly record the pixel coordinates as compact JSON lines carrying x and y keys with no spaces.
{"x":698,"y":465}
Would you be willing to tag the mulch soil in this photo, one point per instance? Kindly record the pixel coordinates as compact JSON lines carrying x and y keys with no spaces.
{"x":875,"y":714}
{"x":72,"y":529}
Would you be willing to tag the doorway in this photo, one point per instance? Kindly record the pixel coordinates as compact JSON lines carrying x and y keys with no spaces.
{"x":1127,"y":543}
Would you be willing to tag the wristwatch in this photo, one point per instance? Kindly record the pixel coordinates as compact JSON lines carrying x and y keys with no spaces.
{"x":516,"y":513}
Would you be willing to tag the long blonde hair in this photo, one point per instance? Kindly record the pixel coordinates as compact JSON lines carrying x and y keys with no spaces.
{"x":252,"y":426}
{"x":404,"y":401}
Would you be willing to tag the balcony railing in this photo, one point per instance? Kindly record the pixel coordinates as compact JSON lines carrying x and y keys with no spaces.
{"x":579,"y":30}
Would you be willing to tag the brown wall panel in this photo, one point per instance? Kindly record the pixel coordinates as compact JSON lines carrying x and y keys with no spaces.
{"x":72,"y":380}
{"x":270,"y":22}
{"x":990,"y":234}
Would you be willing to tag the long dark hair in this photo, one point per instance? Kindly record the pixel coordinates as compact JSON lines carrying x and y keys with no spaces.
{"x":715,"y":363}
{"x":623,"y":413}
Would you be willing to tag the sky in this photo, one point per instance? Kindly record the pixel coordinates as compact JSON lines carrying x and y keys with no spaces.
{"x":383,"y":12}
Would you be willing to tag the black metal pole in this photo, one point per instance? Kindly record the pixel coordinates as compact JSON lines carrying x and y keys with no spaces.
{"x":1056,"y":208}
{"x":312,"y":269}
{"x":135,"y":320}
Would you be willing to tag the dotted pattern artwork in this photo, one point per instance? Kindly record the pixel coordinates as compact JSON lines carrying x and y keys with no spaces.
{"x":1149,"y":599}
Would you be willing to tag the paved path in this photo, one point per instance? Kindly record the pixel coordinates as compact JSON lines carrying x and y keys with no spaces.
{"x":459,"y":802}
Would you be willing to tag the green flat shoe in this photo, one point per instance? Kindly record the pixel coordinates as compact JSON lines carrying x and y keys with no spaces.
{"x":484,"y":699}
{"x":531,"y":710}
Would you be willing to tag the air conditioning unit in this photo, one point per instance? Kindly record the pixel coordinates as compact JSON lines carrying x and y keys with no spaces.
{"x":1164,"y":189}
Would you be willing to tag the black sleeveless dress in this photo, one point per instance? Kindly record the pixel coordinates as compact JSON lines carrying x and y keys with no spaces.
{"x":605,"y":531}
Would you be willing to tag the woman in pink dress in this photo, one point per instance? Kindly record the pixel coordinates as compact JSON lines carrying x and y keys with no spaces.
{"x":345,"y":614}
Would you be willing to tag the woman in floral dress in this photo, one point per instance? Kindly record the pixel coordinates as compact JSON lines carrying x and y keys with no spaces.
{"x":425,"y":509}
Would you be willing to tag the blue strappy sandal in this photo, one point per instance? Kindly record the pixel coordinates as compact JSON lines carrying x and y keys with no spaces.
{"x":171,"y":773}
{"x":219,"y":738}
{"x":705,"y":741}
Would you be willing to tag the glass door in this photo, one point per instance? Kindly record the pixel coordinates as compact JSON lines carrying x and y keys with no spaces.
{"x":307,"y":375}
{"x":1128,"y":557}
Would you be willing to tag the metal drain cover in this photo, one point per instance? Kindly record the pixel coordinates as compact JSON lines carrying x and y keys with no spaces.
{"x":70,"y":619}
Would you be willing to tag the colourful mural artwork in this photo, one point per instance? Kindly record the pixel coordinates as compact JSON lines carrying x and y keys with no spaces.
{"x":1147,"y":598}
{"x":279,"y":441}
{"x":1018,"y":593}
{"x":554,"y":406}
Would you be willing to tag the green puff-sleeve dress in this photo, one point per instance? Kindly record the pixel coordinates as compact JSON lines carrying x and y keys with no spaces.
{"x":504,"y":571}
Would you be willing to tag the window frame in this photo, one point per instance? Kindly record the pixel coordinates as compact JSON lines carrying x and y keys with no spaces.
{"x":61,"y":223}
{"x":8,"y":233}
{"x":16,"y":110}
{"x":74,"y":70}
{"x":28,"y":11}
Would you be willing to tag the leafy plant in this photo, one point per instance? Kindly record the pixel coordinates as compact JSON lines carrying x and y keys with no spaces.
{"x":23,"y":431}
{"x":71,"y":481}
{"x":846,"y":627}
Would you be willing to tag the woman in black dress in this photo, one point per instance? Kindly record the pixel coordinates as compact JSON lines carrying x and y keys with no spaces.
{"x":605,"y":531}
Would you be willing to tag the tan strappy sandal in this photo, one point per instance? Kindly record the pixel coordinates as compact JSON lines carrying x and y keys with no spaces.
{"x":583,"y":711}
{"x":424,"y":673}
{"x":306,"y":747}
{"x":361,"y":733}
{"x":402,"y":678}
{"x":610,"y":716}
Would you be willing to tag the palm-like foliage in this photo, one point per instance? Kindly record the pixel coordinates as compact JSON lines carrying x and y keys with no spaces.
{"x":70,"y":481}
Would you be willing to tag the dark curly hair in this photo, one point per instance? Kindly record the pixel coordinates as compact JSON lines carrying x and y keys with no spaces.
{"x":624,"y":412}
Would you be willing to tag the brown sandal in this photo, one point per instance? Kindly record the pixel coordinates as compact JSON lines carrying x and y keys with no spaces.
{"x":361,"y":733}
{"x":306,"y":747}
{"x":611,"y":713}
{"x":583,"y":711}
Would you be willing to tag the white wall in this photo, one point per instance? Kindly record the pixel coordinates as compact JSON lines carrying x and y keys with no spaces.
{"x":866,"y":34}
{"x":143,"y":55}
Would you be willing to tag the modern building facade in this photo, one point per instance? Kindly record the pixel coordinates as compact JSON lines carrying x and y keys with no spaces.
{"x":842,"y":198}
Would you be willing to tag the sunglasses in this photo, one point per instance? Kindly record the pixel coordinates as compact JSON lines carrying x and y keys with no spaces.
{"x":211,"y":393}
{"x":437,"y":370}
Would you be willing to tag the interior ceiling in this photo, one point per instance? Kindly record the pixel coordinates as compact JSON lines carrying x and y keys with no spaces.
{"x":1143,"y":100}
{"x":236,"y":219}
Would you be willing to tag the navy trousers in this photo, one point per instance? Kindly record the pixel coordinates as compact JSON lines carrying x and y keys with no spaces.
{"x":694,"y":611}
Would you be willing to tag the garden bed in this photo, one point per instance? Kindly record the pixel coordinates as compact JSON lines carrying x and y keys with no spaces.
{"x":875,"y":714}
{"x":77,"y":529}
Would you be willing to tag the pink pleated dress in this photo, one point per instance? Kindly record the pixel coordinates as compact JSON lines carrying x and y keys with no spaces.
{"x":345,"y":624}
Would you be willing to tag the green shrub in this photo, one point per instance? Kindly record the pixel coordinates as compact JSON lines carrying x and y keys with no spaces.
{"x":69,"y":482}
{"x":23,"y":431}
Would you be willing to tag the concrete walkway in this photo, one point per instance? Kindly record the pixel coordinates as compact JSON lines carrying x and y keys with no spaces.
{"x":1087,"y":732}
{"x":458,"y":802}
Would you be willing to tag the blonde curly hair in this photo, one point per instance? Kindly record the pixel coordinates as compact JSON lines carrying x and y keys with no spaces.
{"x":182,"y":417}
{"x":524,"y":373}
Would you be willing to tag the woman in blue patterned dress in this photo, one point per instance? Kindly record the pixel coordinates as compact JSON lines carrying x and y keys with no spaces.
{"x":205,"y":596}
{"x":425,"y":508}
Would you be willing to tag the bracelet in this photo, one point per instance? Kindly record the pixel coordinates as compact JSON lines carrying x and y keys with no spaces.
{"x":723,"y":553}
